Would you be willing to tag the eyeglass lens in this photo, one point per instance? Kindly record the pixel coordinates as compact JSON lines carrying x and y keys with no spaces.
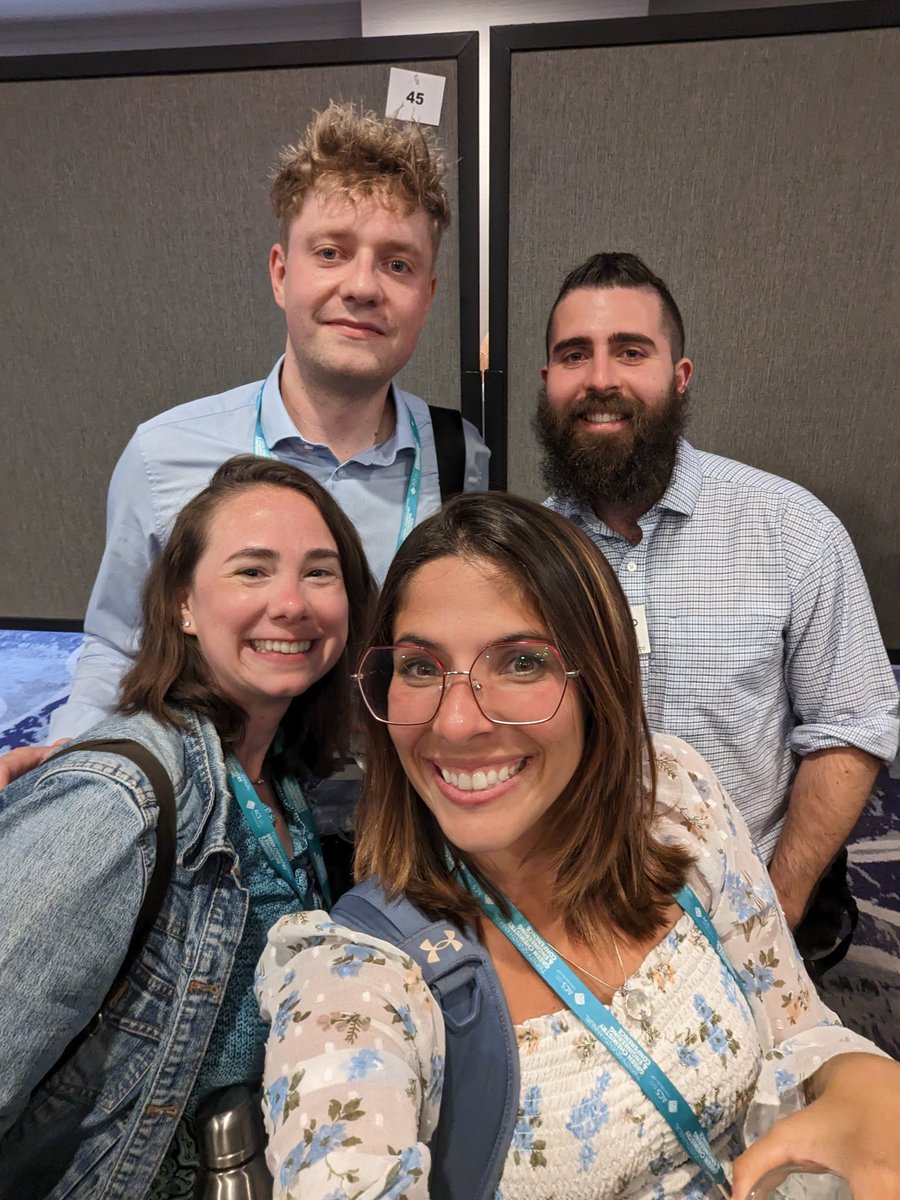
{"x":513,"y":683}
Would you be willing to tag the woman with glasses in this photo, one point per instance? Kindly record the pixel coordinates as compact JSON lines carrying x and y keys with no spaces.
{"x":564,"y":973}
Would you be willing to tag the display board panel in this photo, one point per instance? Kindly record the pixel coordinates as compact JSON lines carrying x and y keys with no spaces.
{"x":135,"y":229}
{"x":756,"y":173}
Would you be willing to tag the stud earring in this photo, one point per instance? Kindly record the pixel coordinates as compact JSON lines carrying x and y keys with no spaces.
{"x":186,"y":623}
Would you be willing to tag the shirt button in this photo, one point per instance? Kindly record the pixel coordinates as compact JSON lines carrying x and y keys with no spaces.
{"x":339,"y":473}
{"x":632,"y":566}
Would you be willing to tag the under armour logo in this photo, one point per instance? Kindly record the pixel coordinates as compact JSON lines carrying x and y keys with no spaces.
{"x":449,"y":939}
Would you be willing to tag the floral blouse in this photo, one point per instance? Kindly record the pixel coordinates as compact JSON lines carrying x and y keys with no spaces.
{"x":355,"y":1057}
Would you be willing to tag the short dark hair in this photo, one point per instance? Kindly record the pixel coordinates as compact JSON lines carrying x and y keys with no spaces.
{"x":619,"y":269}
{"x":610,"y":865}
{"x":170,"y":673}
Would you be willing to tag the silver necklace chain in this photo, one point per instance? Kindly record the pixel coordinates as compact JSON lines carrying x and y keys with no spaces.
{"x":596,"y":978}
{"x":637,"y":1002}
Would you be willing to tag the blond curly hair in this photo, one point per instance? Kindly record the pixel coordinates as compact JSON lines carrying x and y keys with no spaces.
{"x":360,"y":154}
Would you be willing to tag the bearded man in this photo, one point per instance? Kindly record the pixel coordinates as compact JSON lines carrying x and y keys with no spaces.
{"x":758,"y":640}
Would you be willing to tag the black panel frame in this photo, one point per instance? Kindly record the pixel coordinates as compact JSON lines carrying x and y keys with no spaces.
{"x":507,"y":40}
{"x":43,"y":624}
{"x":463,"y":47}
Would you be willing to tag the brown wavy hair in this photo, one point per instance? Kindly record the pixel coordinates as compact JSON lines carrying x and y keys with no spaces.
{"x":598,"y":834}
{"x":357,"y":153}
{"x":170,"y":673}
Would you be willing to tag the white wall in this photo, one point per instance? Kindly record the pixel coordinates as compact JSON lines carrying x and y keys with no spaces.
{"x":77,"y":26}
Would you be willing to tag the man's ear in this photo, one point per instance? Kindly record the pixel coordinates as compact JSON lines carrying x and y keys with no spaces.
{"x":277,"y":266}
{"x":431,"y":290}
{"x":684,"y":369}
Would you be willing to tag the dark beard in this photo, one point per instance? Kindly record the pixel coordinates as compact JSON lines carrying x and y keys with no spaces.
{"x":585,"y":468}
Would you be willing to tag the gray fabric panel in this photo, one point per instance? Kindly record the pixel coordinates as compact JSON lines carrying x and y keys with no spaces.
{"x":135,"y":229}
{"x":758,"y":177}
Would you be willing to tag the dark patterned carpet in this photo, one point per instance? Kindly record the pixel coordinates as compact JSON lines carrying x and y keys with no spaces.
{"x":864,"y":989}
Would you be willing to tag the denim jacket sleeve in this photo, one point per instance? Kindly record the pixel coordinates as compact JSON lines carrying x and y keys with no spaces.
{"x":77,"y":849}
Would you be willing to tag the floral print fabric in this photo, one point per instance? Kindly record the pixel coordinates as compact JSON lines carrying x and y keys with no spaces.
{"x":355,"y":1060}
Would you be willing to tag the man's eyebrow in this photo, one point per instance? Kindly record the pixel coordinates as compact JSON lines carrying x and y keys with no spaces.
{"x":639,"y":339}
{"x":573,"y":343}
{"x":399,"y":246}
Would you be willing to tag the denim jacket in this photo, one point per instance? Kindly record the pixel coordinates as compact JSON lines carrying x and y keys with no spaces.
{"x":77,"y":840}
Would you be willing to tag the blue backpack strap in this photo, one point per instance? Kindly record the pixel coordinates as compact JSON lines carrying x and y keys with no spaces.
{"x":480,"y":1100}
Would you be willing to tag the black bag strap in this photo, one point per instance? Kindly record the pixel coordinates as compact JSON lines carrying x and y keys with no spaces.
{"x":166,"y":834}
{"x":450,"y":447}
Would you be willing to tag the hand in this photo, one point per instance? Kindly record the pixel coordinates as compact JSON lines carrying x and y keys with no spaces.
{"x":853,"y":1127}
{"x":17,"y":762}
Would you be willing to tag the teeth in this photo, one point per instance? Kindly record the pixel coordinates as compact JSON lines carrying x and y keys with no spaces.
{"x":477,"y":781}
{"x":602,"y":418}
{"x":281,"y":647}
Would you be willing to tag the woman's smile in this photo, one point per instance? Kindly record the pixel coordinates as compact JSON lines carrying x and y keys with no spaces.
{"x":480,"y":780}
{"x":269,"y":646}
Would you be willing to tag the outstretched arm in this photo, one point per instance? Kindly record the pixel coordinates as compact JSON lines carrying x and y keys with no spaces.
{"x":809,"y":1102}
{"x":850,"y":1126}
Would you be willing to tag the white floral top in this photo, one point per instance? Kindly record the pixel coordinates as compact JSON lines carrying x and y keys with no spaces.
{"x":355,"y":1057}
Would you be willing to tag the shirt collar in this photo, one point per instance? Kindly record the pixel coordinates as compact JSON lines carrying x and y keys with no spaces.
{"x":277,"y":425}
{"x":684,"y":486}
{"x":680,"y":496}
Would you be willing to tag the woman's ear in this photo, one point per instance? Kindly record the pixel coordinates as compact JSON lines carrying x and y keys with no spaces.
{"x":187,"y":617}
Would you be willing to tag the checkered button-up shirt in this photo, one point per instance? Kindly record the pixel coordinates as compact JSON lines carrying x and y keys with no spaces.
{"x":763,"y":641}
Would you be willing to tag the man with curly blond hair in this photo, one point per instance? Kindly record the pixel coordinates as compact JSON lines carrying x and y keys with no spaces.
{"x":361,"y":206}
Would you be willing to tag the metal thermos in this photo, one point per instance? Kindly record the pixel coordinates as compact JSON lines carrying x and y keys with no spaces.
{"x":231,"y":1140}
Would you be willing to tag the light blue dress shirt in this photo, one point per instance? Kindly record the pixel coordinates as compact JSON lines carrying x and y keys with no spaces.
{"x":173,"y":456}
{"x":763,"y":641}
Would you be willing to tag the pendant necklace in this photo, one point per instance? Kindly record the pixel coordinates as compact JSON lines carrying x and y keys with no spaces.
{"x":636,"y":1001}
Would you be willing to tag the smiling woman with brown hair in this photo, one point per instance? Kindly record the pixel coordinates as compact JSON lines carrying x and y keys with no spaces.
{"x":112,"y":1033}
{"x":617,"y":1005}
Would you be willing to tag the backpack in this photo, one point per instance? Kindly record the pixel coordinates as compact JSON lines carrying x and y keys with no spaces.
{"x":450,"y":448}
{"x":475,"y":1128}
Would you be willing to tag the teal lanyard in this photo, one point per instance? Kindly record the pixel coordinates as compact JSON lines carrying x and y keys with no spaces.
{"x":649,"y":1077}
{"x":410,"y":504}
{"x":259,"y":821}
